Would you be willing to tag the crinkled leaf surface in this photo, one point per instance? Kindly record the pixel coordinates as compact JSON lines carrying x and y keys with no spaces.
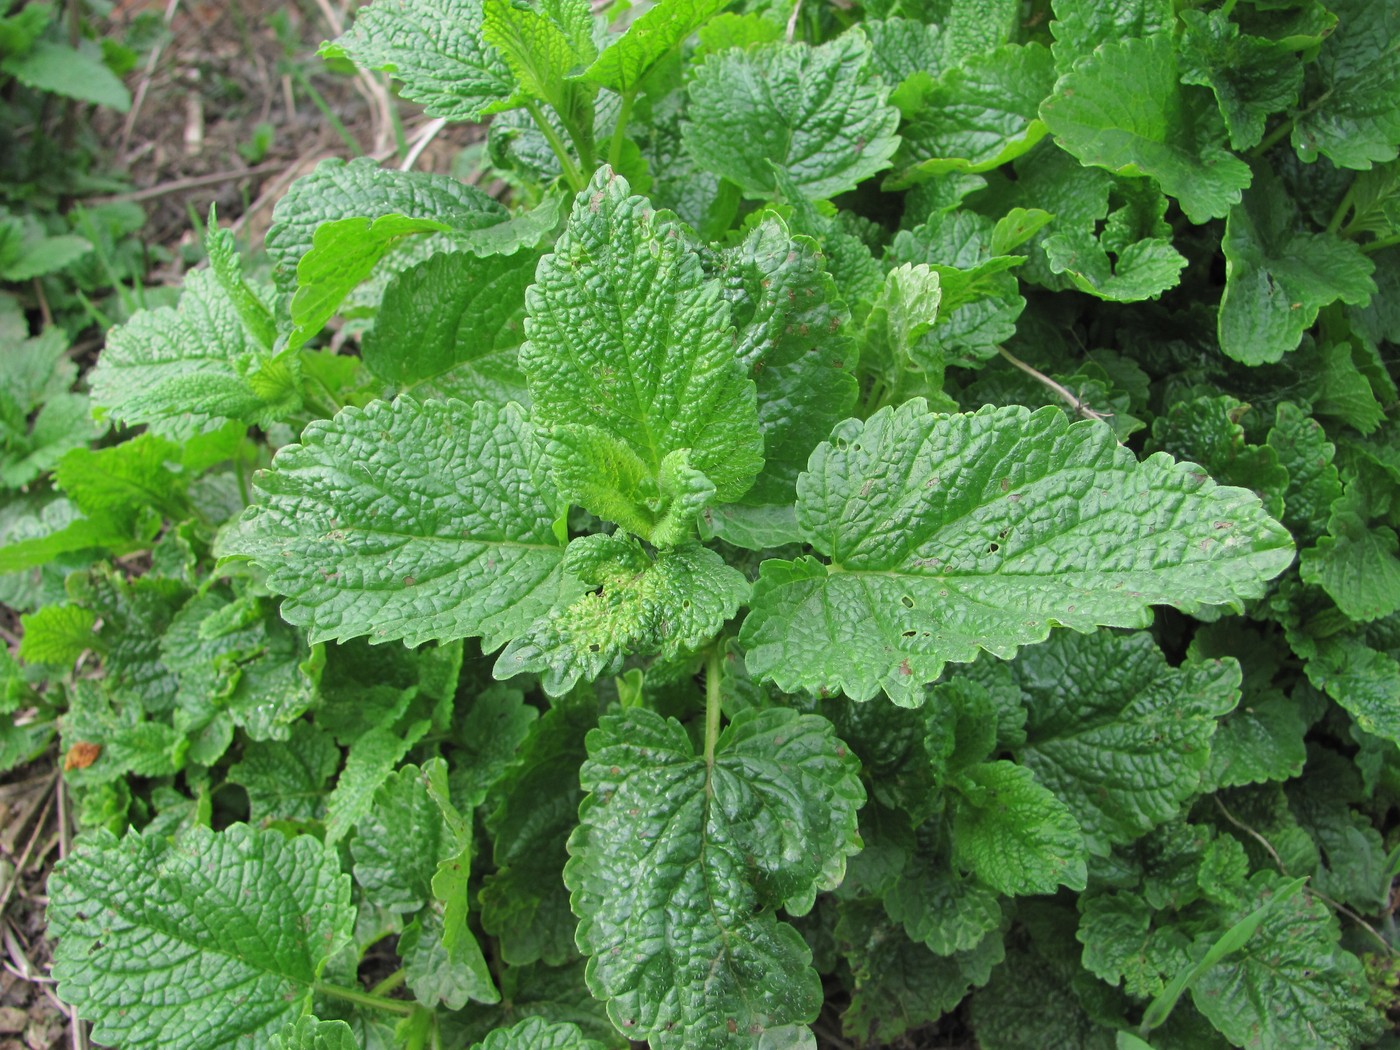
{"x":1355,"y":118}
{"x":794,"y":340}
{"x":950,"y":534}
{"x":435,"y":49}
{"x":535,"y":1033}
{"x":182,"y":369}
{"x":664,"y":606}
{"x":676,"y":870}
{"x":1291,"y":985}
{"x":1118,"y":735}
{"x":1122,"y":108}
{"x":398,"y":844}
{"x":979,"y":115}
{"x":407,"y":520}
{"x":630,"y":361}
{"x":458,"y":314}
{"x":1314,"y":483}
{"x":1207,"y":430}
{"x":312,"y":1034}
{"x":818,"y":113}
{"x":204,"y":942}
{"x":286,"y":779}
{"x":1278,"y":276}
{"x":626,"y":61}
{"x":337,"y":190}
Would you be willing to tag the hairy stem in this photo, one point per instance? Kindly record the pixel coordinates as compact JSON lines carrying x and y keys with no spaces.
{"x":571,"y":173}
{"x":363,"y":998}
{"x":619,"y":135}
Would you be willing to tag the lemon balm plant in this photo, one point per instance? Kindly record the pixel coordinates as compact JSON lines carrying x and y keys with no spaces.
{"x":690,"y":611}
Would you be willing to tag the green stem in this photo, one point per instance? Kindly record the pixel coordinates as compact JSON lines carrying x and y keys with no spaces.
{"x":1273,"y":138}
{"x":1226,"y":8}
{"x":363,"y":998}
{"x":571,"y":173}
{"x":619,"y":135}
{"x":242,"y":478}
{"x":714,"y":669}
{"x":394,"y":980}
{"x":1335,"y":223}
{"x":1384,"y":242}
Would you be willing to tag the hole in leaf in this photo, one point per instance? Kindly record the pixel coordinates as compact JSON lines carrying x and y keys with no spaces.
{"x":907,"y":602}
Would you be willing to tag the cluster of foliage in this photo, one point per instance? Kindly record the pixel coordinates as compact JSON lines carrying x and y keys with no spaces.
{"x":699,"y":605}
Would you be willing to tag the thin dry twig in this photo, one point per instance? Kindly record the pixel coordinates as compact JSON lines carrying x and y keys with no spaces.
{"x":77,"y":1027}
{"x":28,"y":848}
{"x":421,"y":143}
{"x":792,"y":21}
{"x":1062,"y":392}
{"x":146,"y":74}
{"x":194,"y":182}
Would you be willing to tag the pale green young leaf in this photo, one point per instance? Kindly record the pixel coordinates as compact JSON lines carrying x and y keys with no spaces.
{"x":630,"y":361}
{"x":1122,"y":108}
{"x":186,"y":369}
{"x":1278,"y":276}
{"x":794,"y":340}
{"x":627,"y":60}
{"x":1290,"y":985}
{"x":817,"y":113}
{"x":663,"y":606}
{"x":901,"y":48}
{"x":190,"y":943}
{"x":454,"y":320}
{"x":727,"y":30}
{"x":228,"y":270}
{"x":977,"y":116}
{"x":286,"y":779}
{"x":337,"y":190}
{"x":1119,"y":736}
{"x":467,"y":549}
{"x":677,"y":868}
{"x":57,"y":635}
{"x":436,"y":50}
{"x":974,"y":27}
{"x":903,"y":312}
{"x":536,"y":49}
{"x":1354,"y":120}
{"x":311,"y":1034}
{"x":1012,"y":833}
{"x":950,"y":534}
{"x":535,"y":1033}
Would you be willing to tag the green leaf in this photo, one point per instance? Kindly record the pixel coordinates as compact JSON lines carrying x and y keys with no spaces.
{"x":535,"y":1033}
{"x":1354,"y":119}
{"x":1080,"y":28}
{"x":183,"y":370}
{"x":128,"y":742}
{"x":667,"y":605}
{"x":950,"y":534}
{"x":1012,"y":833}
{"x":540,"y":53}
{"x":899,"y":984}
{"x":1030,"y":1002}
{"x":177,"y":944}
{"x":524,"y":902}
{"x":286,"y":780}
{"x":455,"y":319}
{"x":1313,"y":481}
{"x":1344,"y":393}
{"x":676,"y":869}
{"x":977,"y":116}
{"x":794,"y":340}
{"x":1139,"y":269}
{"x":439,"y":971}
{"x":57,"y":635}
{"x":361,"y":189}
{"x":1252,"y":77}
{"x":630,"y":363}
{"x":940,"y":907}
{"x":1119,"y":736}
{"x":1277,"y":276}
{"x":70,"y":72}
{"x":368,"y":766}
{"x":817,"y":113}
{"x":627,"y":60}
{"x":467,"y":550}
{"x":311,"y":1034}
{"x":399,"y":842}
{"x":1207,"y":430}
{"x":1356,"y":562}
{"x":1122,"y":108}
{"x":435,"y":49}
{"x":40,"y":256}
{"x":1363,"y":680}
{"x":489,"y":739}
{"x":902,"y":314}
{"x":1290,"y":985}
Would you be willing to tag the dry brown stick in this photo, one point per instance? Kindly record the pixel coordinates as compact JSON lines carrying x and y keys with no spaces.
{"x":194,"y":182}
{"x":77,"y":1028}
{"x":421,"y":143}
{"x":146,"y":75}
{"x":1075,"y":403}
{"x":28,"y":847}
